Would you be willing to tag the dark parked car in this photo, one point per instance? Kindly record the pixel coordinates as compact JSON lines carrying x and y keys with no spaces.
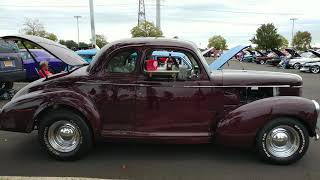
{"x":11,"y":66}
{"x":124,"y":97}
{"x":262,"y":58}
{"x":30,"y":64}
{"x":280,"y":56}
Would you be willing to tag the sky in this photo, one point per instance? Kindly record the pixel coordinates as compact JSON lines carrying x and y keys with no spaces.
{"x":197,"y":21}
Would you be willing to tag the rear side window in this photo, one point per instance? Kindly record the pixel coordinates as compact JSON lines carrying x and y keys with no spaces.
{"x":8,"y":46}
{"x":123,"y":62}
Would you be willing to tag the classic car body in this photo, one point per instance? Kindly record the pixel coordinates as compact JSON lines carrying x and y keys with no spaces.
{"x":73,"y":109}
{"x":311,"y":56}
{"x":31,"y":65}
{"x":11,"y":66}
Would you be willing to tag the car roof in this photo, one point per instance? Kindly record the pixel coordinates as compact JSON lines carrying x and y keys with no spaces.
{"x":153,"y":41}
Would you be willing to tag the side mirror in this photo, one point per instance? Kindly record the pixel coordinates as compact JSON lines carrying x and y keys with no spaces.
{"x":196,"y":69}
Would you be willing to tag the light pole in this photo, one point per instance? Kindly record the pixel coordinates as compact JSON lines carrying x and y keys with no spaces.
{"x":77,"y":17}
{"x":292,"y":19}
{"x":93,"y":29}
{"x":158,"y":14}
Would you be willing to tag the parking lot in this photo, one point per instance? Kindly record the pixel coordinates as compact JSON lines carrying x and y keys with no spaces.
{"x":20,"y":154}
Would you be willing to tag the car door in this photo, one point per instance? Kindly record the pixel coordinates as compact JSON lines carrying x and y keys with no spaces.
{"x":116,"y":92}
{"x":175,"y":109}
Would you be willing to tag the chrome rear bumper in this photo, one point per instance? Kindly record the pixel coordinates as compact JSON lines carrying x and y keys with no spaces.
{"x":317,"y":106}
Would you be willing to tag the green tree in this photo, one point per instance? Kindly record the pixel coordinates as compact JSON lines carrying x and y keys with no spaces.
{"x":217,"y":42}
{"x":302,"y":40}
{"x":101,"y":40}
{"x":83,"y":45}
{"x":284,"y":42}
{"x":267,"y":37}
{"x":36,"y":28}
{"x":69,"y":43}
{"x":146,"y":29}
{"x":51,"y":36}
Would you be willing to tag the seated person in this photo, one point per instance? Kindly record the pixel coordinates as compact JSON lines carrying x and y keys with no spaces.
{"x":44,"y":69}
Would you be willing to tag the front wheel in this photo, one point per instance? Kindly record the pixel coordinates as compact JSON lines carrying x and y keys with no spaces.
{"x":65,"y":135}
{"x":296,"y":66}
{"x":282,"y":141}
{"x":262,"y":62}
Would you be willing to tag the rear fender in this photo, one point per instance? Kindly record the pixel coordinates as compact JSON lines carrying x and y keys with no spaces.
{"x":240,"y":126}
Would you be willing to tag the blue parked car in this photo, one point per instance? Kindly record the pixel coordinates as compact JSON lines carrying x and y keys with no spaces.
{"x":11,"y":66}
{"x":55,"y":65}
{"x":87,"y":54}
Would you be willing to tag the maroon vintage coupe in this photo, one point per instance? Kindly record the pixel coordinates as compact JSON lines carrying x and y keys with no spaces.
{"x":126,"y":94}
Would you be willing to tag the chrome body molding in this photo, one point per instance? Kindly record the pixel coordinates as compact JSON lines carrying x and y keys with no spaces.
{"x":229,"y":86}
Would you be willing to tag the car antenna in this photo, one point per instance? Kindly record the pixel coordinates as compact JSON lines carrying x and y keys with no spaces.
{"x":34,"y":59}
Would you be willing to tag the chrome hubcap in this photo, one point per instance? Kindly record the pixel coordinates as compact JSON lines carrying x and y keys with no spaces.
{"x":315,"y":69}
{"x":261,"y":62}
{"x":296,"y":66}
{"x":282,"y":141}
{"x":64,"y":136}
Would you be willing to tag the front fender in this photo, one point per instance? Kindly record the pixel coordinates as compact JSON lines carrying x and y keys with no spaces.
{"x":240,"y":126}
{"x":19,"y":114}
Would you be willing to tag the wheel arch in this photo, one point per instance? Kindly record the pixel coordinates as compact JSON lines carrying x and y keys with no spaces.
{"x":79,"y":106}
{"x":308,"y":127}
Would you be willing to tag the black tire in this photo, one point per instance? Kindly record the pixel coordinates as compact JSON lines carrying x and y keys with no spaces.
{"x":85,"y":134}
{"x":297,"y":66}
{"x":293,"y":124}
{"x":6,"y":85}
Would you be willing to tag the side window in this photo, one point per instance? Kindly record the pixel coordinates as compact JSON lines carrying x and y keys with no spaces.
{"x":170,"y":64}
{"x":123,"y":62}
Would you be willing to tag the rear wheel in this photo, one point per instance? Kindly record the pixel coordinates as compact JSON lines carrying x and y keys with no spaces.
{"x":315,"y":69}
{"x":282,"y":141}
{"x":65,"y":135}
{"x":296,"y":66}
{"x":262,"y":62}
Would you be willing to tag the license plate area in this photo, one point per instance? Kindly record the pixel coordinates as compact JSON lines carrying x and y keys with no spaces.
{"x":8,"y":63}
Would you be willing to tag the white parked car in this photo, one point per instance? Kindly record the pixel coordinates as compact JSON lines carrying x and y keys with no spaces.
{"x":310,"y":56}
{"x":313,"y":67}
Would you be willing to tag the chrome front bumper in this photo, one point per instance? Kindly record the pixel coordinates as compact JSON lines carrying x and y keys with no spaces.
{"x":305,"y":69}
{"x":317,"y":106}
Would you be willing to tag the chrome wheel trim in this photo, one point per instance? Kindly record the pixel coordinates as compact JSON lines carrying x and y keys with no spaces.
{"x":261,"y":62}
{"x":315,"y":69}
{"x":296,"y":66}
{"x":64,"y":136}
{"x":282,"y":141}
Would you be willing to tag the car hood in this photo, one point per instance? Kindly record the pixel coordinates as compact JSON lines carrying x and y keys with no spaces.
{"x":225,"y":57}
{"x":57,"y":50}
{"x":259,"y":78}
{"x":292,"y":52}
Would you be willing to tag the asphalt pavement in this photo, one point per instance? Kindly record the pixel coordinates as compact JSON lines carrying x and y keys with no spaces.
{"x":21,"y":155}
